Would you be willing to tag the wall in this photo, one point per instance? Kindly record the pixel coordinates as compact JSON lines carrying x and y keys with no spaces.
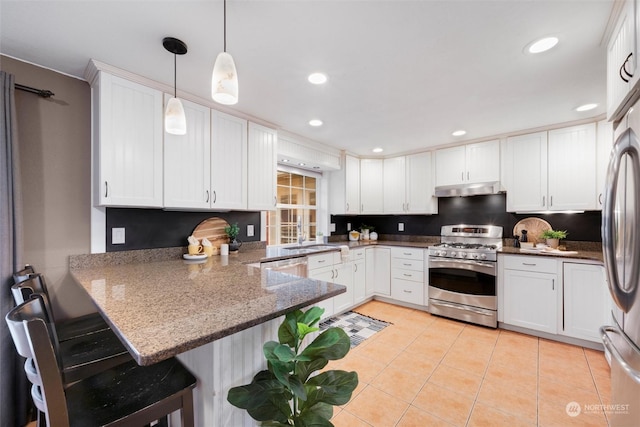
{"x":490,"y":209}
{"x":54,"y":137}
{"x":155,"y":228}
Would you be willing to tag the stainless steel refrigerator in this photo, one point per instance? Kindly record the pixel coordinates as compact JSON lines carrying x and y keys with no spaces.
{"x":621,"y":248}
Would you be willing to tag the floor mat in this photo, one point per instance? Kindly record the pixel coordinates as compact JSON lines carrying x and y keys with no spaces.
{"x":358,"y":326}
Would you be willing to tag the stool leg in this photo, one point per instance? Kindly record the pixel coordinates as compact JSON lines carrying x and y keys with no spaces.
{"x":187,"y":409}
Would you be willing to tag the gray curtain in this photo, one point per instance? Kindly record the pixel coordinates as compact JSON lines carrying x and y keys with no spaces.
{"x":14,"y":400}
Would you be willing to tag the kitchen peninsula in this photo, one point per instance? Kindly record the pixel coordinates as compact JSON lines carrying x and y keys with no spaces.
{"x":215,"y":316}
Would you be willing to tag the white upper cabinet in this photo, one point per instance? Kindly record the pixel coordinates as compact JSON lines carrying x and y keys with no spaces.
{"x":552,"y":171}
{"x":394,"y":185}
{"x":186,"y":161}
{"x":408,"y":185}
{"x":371,"y":186}
{"x":344,"y":188}
{"x":419,"y":187}
{"x":621,"y":62}
{"x":526,"y":156}
{"x":571,"y":163}
{"x":604,"y":143}
{"x":128,"y":136}
{"x":467,"y":164}
{"x":261,"y":168}
{"x":228,"y":162}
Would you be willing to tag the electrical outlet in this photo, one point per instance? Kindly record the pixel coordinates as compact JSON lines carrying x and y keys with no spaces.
{"x":333,"y":227}
{"x":348,"y":226}
{"x":117,"y":236}
{"x":401,"y":226}
{"x":250,"y":230}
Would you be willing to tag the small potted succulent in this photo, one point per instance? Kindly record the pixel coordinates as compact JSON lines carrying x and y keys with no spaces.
{"x":232,"y":231}
{"x":553,"y":237}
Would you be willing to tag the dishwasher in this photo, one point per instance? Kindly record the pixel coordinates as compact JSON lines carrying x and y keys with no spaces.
{"x":296,"y":266}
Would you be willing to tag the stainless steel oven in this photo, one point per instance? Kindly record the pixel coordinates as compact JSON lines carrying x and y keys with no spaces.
{"x":462,"y":274}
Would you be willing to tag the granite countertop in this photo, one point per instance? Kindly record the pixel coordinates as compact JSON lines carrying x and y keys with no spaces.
{"x":161,"y":305}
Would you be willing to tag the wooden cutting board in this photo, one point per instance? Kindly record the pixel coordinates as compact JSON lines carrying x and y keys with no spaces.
{"x":534,"y":227}
{"x":212,"y":229}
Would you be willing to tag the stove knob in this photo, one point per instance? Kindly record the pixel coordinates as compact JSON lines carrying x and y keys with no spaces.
{"x":482,"y":256}
{"x":453,"y":254}
{"x":462,"y":254}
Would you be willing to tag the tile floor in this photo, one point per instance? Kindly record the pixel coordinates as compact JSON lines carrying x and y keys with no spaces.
{"x":427,"y":371}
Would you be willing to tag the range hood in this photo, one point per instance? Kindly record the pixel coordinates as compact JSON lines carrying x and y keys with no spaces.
{"x":474,"y":189}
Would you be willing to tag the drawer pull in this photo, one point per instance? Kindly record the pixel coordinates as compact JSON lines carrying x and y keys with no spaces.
{"x":532,"y":264}
{"x":407,"y":253}
{"x":407,"y":264}
{"x":407,"y":275}
{"x":321,"y":261}
{"x":407,"y":292}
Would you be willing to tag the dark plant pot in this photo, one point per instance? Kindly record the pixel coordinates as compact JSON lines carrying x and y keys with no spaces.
{"x":234,"y":245}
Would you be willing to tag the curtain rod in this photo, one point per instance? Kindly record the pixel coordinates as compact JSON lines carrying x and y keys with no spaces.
{"x":40,"y":92}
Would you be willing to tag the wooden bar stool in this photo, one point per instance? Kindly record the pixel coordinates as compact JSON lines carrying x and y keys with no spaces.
{"x":68,"y":328}
{"x":126,"y":395}
{"x":82,"y":356}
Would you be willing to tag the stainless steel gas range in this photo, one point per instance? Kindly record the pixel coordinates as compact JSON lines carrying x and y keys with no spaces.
{"x":462,"y":273}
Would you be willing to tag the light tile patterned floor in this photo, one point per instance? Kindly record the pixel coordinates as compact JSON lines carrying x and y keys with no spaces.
{"x":427,"y":371}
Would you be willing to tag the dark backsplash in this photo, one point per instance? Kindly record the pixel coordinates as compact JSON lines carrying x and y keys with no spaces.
{"x":156,"y":228}
{"x":489,"y":209}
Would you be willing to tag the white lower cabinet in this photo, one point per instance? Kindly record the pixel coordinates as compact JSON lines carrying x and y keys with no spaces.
{"x":359,"y":265}
{"x":531,"y":293}
{"x":407,"y":275}
{"x":330,"y":268}
{"x":586,"y":301}
{"x":378,"y":277}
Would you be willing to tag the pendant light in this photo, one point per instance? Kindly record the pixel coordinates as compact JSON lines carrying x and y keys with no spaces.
{"x":224,"y":80}
{"x":175,"y":121}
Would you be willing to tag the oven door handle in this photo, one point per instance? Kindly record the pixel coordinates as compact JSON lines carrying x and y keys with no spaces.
{"x":478,"y":266}
{"x":461,"y":307}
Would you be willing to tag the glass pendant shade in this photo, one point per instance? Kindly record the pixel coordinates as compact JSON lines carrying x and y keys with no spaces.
{"x":224,"y":81}
{"x":175,"y":121}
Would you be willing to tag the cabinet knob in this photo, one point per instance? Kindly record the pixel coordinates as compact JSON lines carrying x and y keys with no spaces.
{"x":106,"y":189}
{"x":207,"y":201}
{"x":215,"y":196}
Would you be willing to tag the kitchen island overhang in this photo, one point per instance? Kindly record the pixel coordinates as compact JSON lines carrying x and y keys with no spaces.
{"x":161,"y":306}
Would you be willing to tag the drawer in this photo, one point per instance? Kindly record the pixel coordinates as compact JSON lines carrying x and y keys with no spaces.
{"x":407,"y":253}
{"x":407,"y":264}
{"x":356,"y":254}
{"x":414,"y":276}
{"x":404,"y":290}
{"x":531,"y":263}
{"x":321,"y":260}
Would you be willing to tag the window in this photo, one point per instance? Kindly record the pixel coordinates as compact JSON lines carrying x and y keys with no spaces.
{"x":296,"y":207}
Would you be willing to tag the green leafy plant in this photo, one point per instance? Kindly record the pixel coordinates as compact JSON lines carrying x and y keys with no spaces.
{"x":286,"y":394}
{"x":232,"y":231}
{"x":367,"y":227}
{"x":554,"y":234}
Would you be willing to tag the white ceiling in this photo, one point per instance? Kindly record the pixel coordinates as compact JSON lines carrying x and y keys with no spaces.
{"x":402,"y":74}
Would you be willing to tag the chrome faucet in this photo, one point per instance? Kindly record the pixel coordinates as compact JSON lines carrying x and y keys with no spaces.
{"x":301,"y":235}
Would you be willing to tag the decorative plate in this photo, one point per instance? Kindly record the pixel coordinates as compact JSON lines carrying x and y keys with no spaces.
{"x":194,"y":257}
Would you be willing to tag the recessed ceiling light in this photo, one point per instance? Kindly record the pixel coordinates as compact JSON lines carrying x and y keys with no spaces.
{"x":285,"y":160}
{"x":542,"y":45}
{"x":377,"y":150}
{"x":302,"y":164}
{"x":315,"y":122}
{"x":317,"y":78}
{"x":459,"y":132}
{"x":586,"y":107}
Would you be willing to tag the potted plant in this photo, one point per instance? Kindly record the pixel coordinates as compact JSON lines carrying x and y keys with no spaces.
{"x":232,"y":231}
{"x":553,"y":237}
{"x":286,"y":394}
